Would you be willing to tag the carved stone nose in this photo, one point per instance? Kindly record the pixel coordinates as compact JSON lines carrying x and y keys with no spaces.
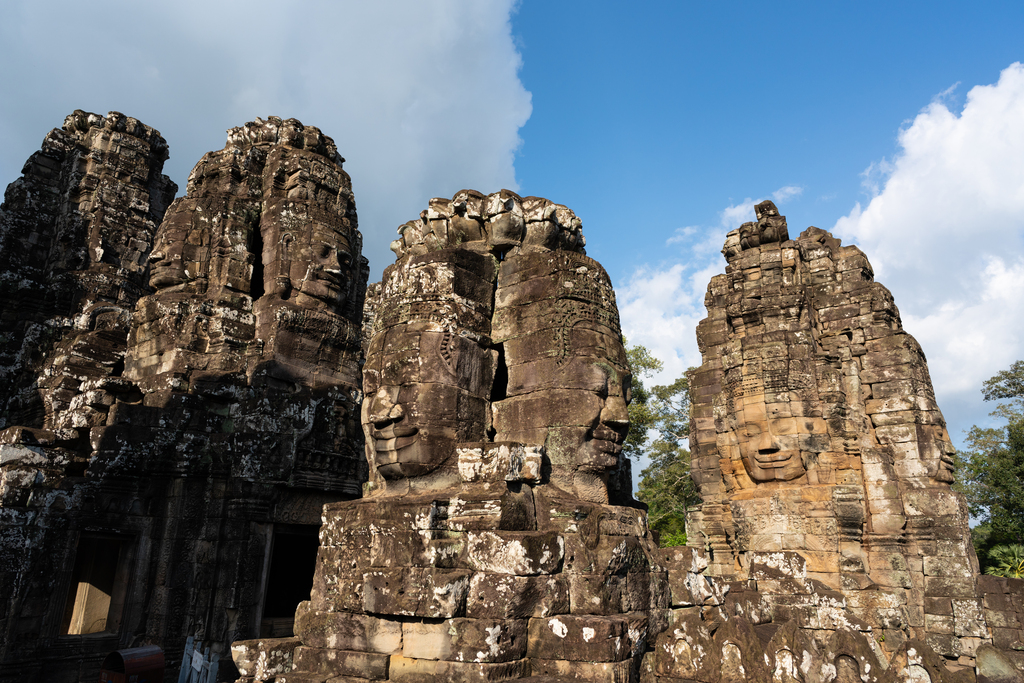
{"x":615,"y":413}
{"x":766,"y":442}
{"x":384,"y":408}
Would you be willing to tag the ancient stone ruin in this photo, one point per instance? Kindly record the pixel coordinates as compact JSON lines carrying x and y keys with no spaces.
{"x":824,"y":464}
{"x":193,"y":388}
{"x":499,"y":540}
{"x":180,"y":391}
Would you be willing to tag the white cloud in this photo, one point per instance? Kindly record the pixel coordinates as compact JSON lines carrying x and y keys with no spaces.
{"x":788,"y":192}
{"x":945,"y":232}
{"x":682,"y":235}
{"x":660,"y":306}
{"x":423,"y":99}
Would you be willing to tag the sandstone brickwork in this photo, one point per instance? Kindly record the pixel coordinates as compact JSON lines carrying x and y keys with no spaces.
{"x":816,"y":434}
{"x":185,"y":403}
{"x":182,"y":389}
{"x":499,"y":539}
{"x":75,"y":234}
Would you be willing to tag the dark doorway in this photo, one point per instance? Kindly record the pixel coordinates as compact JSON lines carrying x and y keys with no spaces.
{"x":99,"y":583}
{"x":292,"y":563}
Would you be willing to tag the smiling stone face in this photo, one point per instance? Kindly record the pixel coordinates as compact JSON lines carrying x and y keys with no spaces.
{"x":775,"y":450}
{"x":328,"y":260}
{"x":772,"y":427}
{"x":426,"y":392}
{"x":429,"y":368}
{"x":568,"y":377}
{"x":168,"y":259}
{"x":313,"y":265}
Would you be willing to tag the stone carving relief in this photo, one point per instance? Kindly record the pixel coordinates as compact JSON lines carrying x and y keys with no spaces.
{"x":75,"y":232}
{"x":496,"y":390}
{"x":496,"y":405}
{"x":492,"y":322}
{"x":815,"y":432}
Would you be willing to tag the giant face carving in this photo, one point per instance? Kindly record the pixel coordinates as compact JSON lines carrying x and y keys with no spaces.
{"x":174,"y":250}
{"x":773,"y":420}
{"x":776,"y":441}
{"x":204,"y":238}
{"x":312,"y":265}
{"x":569,"y":379}
{"x":429,"y":366}
{"x":426,"y":390}
{"x":578,"y":409}
{"x":322,"y":266}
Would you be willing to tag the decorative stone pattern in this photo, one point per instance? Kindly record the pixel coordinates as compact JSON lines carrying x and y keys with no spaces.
{"x":499,"y":539}
{"x":182,"y":388}
{"x":815,"y":432}
{"x":75,"y":233}
{"x":182,"y":382}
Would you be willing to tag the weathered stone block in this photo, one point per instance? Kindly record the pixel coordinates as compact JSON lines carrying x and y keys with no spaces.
{"x":504,"y":596}
{"x":368,"y":665}
{"x":561,"y":670}
{"x":596,"y":593}
{"x":344,"y":631}
{"x":416,"y":591}
{"x":264,"y":658}
{"x":466,"y":640}
{"x":686,"y":651}
{"x":518,"y":553}
{"x":579,"y":638}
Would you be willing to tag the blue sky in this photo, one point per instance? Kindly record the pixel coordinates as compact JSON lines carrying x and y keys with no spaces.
{"x":898,"y":125}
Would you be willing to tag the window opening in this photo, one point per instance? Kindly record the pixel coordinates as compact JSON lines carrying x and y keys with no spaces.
{"x":499,"y":390}
{"x":256,"y":283}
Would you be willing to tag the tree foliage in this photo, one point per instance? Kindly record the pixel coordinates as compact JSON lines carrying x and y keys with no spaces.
{"x":991,"y":468}
{"x":1006,"y":384}
{"x":641,"y":415}
{"x":660,"y":418}
{"x":1007,"y":560}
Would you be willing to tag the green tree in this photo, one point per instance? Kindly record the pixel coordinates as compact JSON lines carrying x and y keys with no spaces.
{"x":1008,"y":560}
{"x":660,"y":427}
{"x":991,"y":468}
{"x":641,"y":415}
{"x":666,"y":485}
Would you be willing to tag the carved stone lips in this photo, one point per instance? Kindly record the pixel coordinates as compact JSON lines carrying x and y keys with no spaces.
{"x":607,"y":440}
{"x":331,"y":276}
{"x":773,"y":460}
{"x":162,"y":274}
{"x":607,"y":446}
{"x":394,"y":437}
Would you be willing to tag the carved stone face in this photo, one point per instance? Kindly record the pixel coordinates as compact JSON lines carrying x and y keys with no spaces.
{"x":576,"y":409}
{"x":322,"y":268}
{"x":313,"y":265}
{"x":775,"y":449}
{"x":769,"y":424}
{"x":426,"y":391}
{"x":604,"y":391}
{"x":203,"y":238}
{"x":171,"y":253}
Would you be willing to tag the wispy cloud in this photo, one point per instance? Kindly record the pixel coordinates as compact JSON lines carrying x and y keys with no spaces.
{"x":945,"y":231}
{"x":682,"y":235}
{"x":788,"y":192}
{"x":423,"y":99}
